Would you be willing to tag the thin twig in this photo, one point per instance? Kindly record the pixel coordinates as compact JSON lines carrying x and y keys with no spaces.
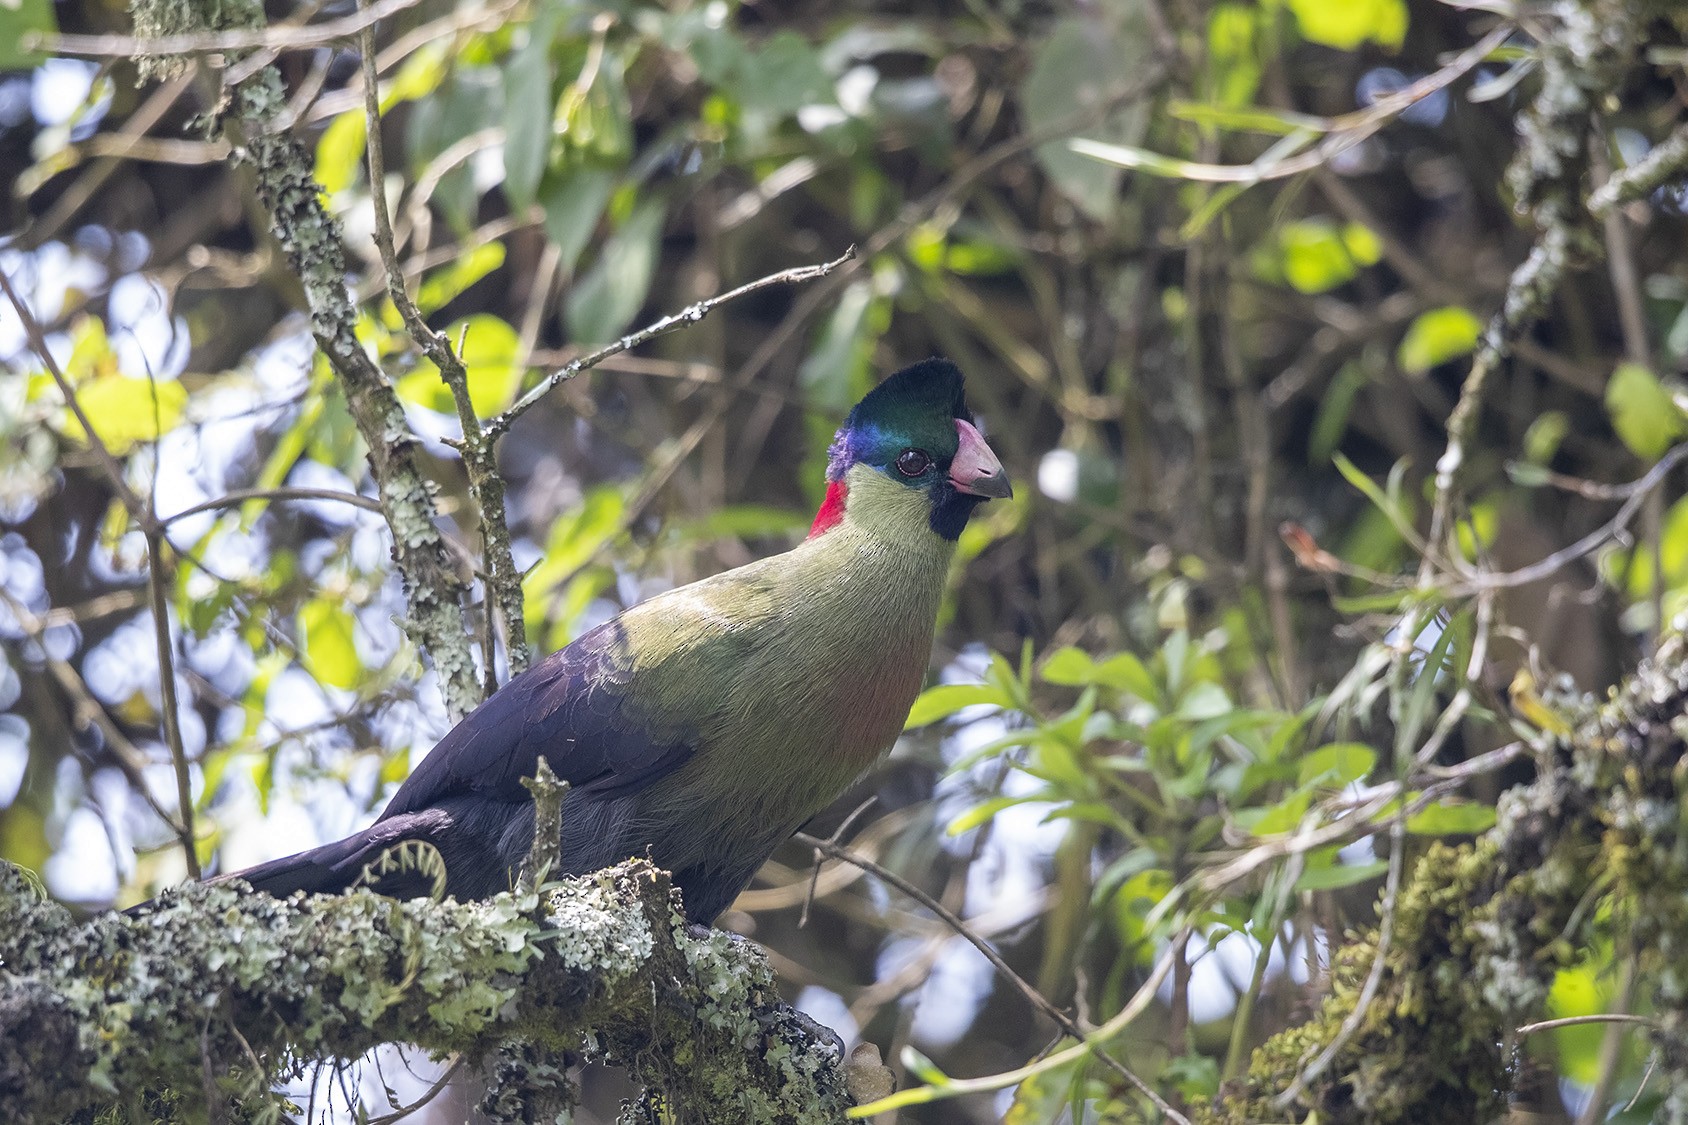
{"x":429,"y":1095}
{"x":1368,"y":992}
{"x":500,"y":423}
{"x":141,"y":511}
{"x":208,"y":42}
{"x":242,"y":495}
{"x":1612,"y":529}
{"x":959,"y":925}
{"x":479,"y":448}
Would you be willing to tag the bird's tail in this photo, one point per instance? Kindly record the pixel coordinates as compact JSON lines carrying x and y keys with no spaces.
{"x":383,"y":857}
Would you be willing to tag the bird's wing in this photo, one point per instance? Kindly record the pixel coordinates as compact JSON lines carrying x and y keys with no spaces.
{"x":578,"y":707}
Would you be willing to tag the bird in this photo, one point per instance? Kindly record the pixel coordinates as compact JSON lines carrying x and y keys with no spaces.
{"x":705,"y":725}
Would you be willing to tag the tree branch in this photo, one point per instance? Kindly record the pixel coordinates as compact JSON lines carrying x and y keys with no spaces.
{"x":105,"y":1011}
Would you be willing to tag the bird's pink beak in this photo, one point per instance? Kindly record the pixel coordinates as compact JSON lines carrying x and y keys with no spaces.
{"x":975,"y":469}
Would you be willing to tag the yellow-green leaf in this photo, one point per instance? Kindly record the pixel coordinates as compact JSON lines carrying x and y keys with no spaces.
{"x":1642,"y":411}
{"x":331,"y":654}
{"x":1337,"y":764}
{"x":125,"y":411}
{"x":1437,"y":336}
{"x":339,"y":153}
{"x":1346,"y":24}
{"x":489,"y":354}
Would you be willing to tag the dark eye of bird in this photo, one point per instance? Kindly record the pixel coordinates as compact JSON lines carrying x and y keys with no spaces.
{"x":913,"y":462}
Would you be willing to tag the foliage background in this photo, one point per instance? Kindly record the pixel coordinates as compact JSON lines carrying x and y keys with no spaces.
{"x":1199,"y":383}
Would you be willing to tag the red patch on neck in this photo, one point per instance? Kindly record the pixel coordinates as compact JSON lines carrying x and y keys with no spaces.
{"x":832,"y":508}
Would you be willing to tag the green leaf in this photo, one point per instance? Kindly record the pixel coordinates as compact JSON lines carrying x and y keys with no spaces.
{"x":1204,"y":701}
{"x":1437,"y":336}
{"x":1315,"y":256}
{"x":125,"y":412}
{"x":445,"y":285}
{"x":946,"y":699}
{"x":16,"y":18}
{"x":982,"y":812}
{"x":1339,"y":875}
{"x":782,"y":76}
{"x":609,"y":295}
{"x":489,"y":354}
{"x":528,"y":109}
{"x":1543,"y":438}
{"x":339,"y":154}
{"x":331,"y":654}
{"x":1451,"y":817}
{"x":1068,"y":667}
{"x":1079,"y":59}
{"x":1347,"y":24}
{"x":573,"y":205}
{"x":1643,"y":413}
{"x":1338,"y":764}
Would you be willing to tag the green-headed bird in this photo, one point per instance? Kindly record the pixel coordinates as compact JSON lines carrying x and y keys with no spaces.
{"x":708,"y":723}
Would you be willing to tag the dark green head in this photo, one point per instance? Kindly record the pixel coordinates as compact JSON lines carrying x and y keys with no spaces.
{"x":916,"y":429}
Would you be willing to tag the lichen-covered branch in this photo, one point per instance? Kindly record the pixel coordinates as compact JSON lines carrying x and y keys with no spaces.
{"x":281,"y":169}
{"x":1481,"y":930}
{"x":213,"y":994}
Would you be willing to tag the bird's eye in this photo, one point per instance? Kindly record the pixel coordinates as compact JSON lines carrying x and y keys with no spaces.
{"x":913,"y":462}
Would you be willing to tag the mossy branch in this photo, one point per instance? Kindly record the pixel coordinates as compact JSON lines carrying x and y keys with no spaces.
{"x":251,"y":120}
{"x":1480,"y":930}
{"x":213,"y":994}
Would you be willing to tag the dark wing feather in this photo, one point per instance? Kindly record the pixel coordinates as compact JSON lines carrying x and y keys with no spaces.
{"x":574,"y":707}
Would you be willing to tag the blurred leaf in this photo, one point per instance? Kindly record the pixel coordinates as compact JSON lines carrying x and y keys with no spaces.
{"x":1451,"y":817}
{"x":1347,"y":24}
{"x":340,"y":151}
{"x":944,"y":700}
{"x":831,"y":374}
{"x":1073,"y":71}
{"x":445,"y":285}
{"x":489,"y":352}
{"x":782,"y":75}
{"x":574,"y":202}
{"x":982,"y":812}
{"x":125,"y":412}
{"x":1315,"y":256}
{"x":528,"y":106}
{"x":16,"y":18}
{"x":1334,"y":410}
{"x":1339,"y":875}
{"x":1437,"y":336}
{"x":330,"y":652}
{"x":1233,"y":53}
{"x":1543,"y":438}
{"x":1204,"y":701}
{"x":1362,"y":244}
{"x":744,"y":521}
{"x":1643,"y":413}
{"x":1581,"y":990}
{"x":1340,"y":763}
{"x":608,"y":296}
{"x":1068,"y":666}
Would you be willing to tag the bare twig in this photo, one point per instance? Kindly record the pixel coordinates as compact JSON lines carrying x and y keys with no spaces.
{"x":1386,"y":932}
{"x":1665,"y":162}
{"x":201,"y":43}
{"x":141,"y":511}
{"x":1598,"y":1017}
{"x":959,"y":925}
{"x":690,"y":315}
{"x":242,"y":495}
{"x":1611,"y":530}
{"x":479,"y":448}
